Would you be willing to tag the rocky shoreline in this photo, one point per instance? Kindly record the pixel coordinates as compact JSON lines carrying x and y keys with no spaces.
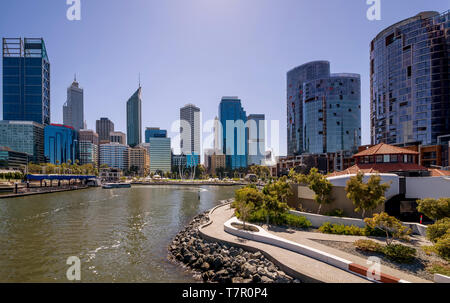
{"x":222,"y":263}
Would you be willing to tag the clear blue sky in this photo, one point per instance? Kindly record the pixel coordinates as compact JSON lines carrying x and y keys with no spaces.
{"x":196,"y":51}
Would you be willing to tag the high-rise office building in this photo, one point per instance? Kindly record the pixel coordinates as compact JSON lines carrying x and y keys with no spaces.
{"x":256,"y":139}
{"x":24,"y":137}
{"x":134,"y":119}
{"x":159,"y":148}
{"x":409,"y":79}
{"x":154,"y":132}
{"x":324,"y":110}
{"x":139,"y":160}
{"x":73,"y":109}
{"x":60,"y":144}
{"x":114,"y":155}
{"x":218,"y":132}
{"x":190,"y":130}
{"x":233,"y":118}
{"x":332,"y":114}
{"x":118,"y":137}
{"x":88,"y":147}
{"x":295,"y":80}
{"x":26,"y":80}
{"x":104,"y":127}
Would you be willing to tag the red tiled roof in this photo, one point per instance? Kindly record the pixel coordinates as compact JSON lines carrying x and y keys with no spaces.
{"x":385,"y":149}
{"x":439,"y":173}
{"x":381,"y":168}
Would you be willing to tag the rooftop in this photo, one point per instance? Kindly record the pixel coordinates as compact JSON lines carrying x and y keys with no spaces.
{"x":384,"y":149}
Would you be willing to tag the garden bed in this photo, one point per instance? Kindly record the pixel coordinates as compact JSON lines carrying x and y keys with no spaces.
{"x":417,"y":268}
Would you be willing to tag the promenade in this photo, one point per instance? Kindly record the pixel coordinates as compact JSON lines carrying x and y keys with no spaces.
{"x":297,"y":265}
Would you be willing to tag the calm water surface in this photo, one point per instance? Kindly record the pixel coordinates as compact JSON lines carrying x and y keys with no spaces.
{"x":120,"y":235}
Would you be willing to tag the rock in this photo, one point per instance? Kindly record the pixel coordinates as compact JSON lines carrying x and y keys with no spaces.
{"x":205,"y":266}
{"x":257,"y":255}
{"x":265,"y":279}
{"x":218,"y":262}
{"x":248,"y":270}
{"x":256,"y":278}
{"x":237,"y":280}
{"x":222,"y":273}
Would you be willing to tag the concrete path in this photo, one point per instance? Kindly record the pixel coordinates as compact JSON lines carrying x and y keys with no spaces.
{"x":299,"y":266}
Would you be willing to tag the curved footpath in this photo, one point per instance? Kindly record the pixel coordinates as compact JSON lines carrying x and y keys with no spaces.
{"x":299,"y":266}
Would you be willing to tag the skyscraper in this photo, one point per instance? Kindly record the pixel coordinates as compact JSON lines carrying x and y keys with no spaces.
{"x":114,"y":155}
{"x":295,"y":79}
{"x":256,"y":139}
{"x":73,"y":109}
{"x":409,"y":79}
{"x":26,"y":80}
{"x":118,"y":137}
{"x":104,"y":127}
{"x":233,"y":118}
{"x":190,"y":130}
{"x":134,"y":119}
{"x":154,"y":132}
{"x":88,"y":147}
{"x":60,"y":144}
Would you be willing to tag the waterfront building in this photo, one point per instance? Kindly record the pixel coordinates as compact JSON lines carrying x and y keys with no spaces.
{"x":26,"y":80}
{"x":108,"y":174}
{"x":217,"y":161}
{"x":114,"y":155}
{"x":118,"y":137}
{"x":160,"y":155}
{"x":179,"y":160}
{"x":256,"y":139}
{"x":190,"y":130}
{"x":218,"y":133}
{"x":73,"y":109}
{"x":233,"y":119}
{"x":134,"y":119}
{"x":104,"y":127}
{"x":23,"y":137}
{"x":409,"y":80}
{"x":10,"y":159}
{"x":60,"y":144}
{"x":88,"y":147}
{"x":139,"y":160}
{"x":154,"y":132}
{"x":295,"y":80}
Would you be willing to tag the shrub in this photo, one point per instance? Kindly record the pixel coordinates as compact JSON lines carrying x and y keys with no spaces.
{"x":442,"y":246}
{"x":438,"y":229}
{"x":297,"y":221}
{"x":399,"y":253}
{"x":434,"y":209}
{"x":439,"y":268}
{"x":390,"y":225}
{"x":286,"y":219}
{"x":374,"y":232}
{"x":369,"y":245}
{"x":336,"y":229}
{"x":335,"y":213}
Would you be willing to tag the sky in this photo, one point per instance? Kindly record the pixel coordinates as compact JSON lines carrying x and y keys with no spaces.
{"x":196,"y":51}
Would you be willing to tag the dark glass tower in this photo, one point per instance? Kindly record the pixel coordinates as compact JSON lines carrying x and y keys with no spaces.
{"x":410,"y":100}
{"x":134,"y":119}
{"x":104,"y":127}
{"x":233,"y":118}
{"x":26,"y":80}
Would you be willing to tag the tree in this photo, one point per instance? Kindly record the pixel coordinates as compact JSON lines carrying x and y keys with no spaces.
{"x":244,"y":209}
{"x":434,"y":209}
{"x":366,"y":196}
{"x":280,"y":190}
{"x":250,"y":194}
{"x":320,"y":185}
{"x":390,"y":225}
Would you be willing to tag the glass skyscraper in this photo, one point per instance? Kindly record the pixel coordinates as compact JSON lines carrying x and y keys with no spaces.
{"x":190,"y":138}
{"x":73,"y":109}
{"x":134,"y":119}
{"x":233,"y":118}
{"x":26,"y":80}
{"x":323,"y":110}
{"x":256,"y":139}
{"x":153,"y":132}
{"x":160,"y":154}
{"x":104,"y":127}
{"x":60,"y":144}
{"x":114,"y":155}
{"x":410,"y":99}
{"x":332,"y":114}
{"x":25,"y":137}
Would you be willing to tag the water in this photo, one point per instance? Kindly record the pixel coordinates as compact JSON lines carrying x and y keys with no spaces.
{"x":120,"y":235}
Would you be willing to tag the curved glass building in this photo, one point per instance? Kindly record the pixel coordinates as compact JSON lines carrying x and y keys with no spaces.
{"x":324,"y":110}
{"x":410,"y":99}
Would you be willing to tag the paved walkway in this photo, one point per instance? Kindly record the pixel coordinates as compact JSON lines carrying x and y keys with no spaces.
{"x":300,"y":264}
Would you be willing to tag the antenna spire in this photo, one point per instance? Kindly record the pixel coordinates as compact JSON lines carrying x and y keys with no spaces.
{"x":139,"y":79}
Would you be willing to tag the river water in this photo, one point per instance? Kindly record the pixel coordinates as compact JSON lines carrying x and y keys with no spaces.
{"x":120,"y":235}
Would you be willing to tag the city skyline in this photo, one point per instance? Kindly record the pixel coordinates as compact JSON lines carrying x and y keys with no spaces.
{"x":260,"y":91}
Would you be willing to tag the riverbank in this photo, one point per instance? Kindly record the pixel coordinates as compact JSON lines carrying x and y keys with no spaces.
{"x":223,"y":263}
{"x":42,"y":191}
{"x":188,"y":183}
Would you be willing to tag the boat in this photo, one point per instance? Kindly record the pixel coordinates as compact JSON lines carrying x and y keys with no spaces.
{"x":116,"y":185}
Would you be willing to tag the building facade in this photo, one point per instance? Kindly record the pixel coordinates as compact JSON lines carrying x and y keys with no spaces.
{"x":134,"y":119}
{"x":10,"y":159}
{"x":190,"y":131}
{"x":160,"y":155}
{"x":26,"y":80}
{"x":24,"y":137}
{"x":409,"y":79}
{"x":256,"y":139}
{"x":88,"y":147}
{"x":104,"y":127}
{"x":118,"y":137}
{"x":114,"y":155}
{"x":154,"y":132}
{"x":332,"y":114}
{"x":73,"y":109}
{"x":233,"y":119}
{"x":60,"y":144}
{"x":139,"y":161}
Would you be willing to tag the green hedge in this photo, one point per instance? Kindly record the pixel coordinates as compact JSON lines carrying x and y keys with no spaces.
{"x":286,"y":219}
{"x":340,"y":229}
